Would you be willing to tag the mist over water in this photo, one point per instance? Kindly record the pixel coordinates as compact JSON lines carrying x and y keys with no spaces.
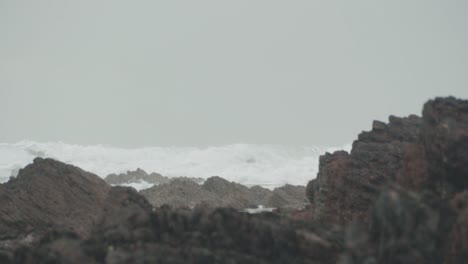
{"x":266,"y":165}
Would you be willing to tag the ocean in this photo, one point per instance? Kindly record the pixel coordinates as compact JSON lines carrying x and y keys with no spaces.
{"x":269,"y":166}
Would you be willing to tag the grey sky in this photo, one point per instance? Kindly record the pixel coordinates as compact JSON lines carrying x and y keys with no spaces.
{"x":135,"y":73}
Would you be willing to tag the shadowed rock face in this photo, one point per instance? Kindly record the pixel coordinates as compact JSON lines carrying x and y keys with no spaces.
{"x":458,"y":237}
{"x":345,"y":187}
{"x":404,"y":183}
{"x":200,"y":236}
{"x":445,"y":139}
{"x":404,"y":227}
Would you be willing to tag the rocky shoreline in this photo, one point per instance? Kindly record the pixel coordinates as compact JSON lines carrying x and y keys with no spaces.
{"x":187,"y":192}
{"x":399,"y":196}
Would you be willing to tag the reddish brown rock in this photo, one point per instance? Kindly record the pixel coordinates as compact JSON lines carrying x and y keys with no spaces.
{"x":445,"y":140}
{"x":458,"y":238}
{"x":347,"y":184}
{"x":50,"y":194}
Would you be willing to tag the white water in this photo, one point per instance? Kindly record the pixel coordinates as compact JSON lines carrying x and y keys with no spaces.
{"x":266,"y":165}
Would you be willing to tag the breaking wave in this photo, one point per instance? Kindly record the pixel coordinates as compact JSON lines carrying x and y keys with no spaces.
{"x":249,"y":164}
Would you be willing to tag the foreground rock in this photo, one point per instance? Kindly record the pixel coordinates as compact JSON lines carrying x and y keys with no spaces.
{"x":49,"y":194}
{"x":401,"y":196}
{"x":402,"y":190}
{"x":185,"y":236}
{"x":345,"y":185}
{"x":218,"y":192}
{"x":57,"y":213}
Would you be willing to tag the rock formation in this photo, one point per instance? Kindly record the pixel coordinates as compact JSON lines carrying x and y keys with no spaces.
{"x":400,"y":196}
{"x":49,"y":194}
{"x":179,"y":193}
{"x":57,"y":213}
{"x":402,"y":189}
{"x":345,"y":186}
{"x":140,"y":175}
{"x":218,"y":192}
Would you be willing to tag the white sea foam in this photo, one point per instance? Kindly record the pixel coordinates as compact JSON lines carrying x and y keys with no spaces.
{"x":139,"y":185}
{"x":266,"y":165}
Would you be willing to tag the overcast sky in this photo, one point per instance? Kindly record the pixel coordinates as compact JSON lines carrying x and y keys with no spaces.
{"x":148,"y":73}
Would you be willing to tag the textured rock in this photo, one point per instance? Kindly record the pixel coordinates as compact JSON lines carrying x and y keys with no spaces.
{"x":136,"y":176}
{"x":230,"y":194}
{"x":218,"y":192}
{"x":139,"y":176}
{"x":50,"y":194}
{"x":287,"y":196}
{"x":346,"y":185}
{"x":180,"y":193}
{"x":404,"y":227}
{"x":445,"y":139}
{"x":428,"y":153}
{"x":200,"y":236}
{"x":458,"y":238}
{"x":50,"y":197}
{"x":405,"y":184}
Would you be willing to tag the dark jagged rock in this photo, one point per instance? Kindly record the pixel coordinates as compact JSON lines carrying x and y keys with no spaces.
{"x":425,"y":161}
{"x":200,"y":236}
{"x":458,"y":238}
{"x":404,"y":227}
{"x":345,"y":185}
{"x":445,"y":139}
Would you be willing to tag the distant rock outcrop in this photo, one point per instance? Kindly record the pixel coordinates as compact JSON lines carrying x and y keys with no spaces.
{"x":135,"y":176}
{"x":139,"y":176}
{"x":287,"y":196}
{"x":218,"y":192}
{"x":179,"y":193}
